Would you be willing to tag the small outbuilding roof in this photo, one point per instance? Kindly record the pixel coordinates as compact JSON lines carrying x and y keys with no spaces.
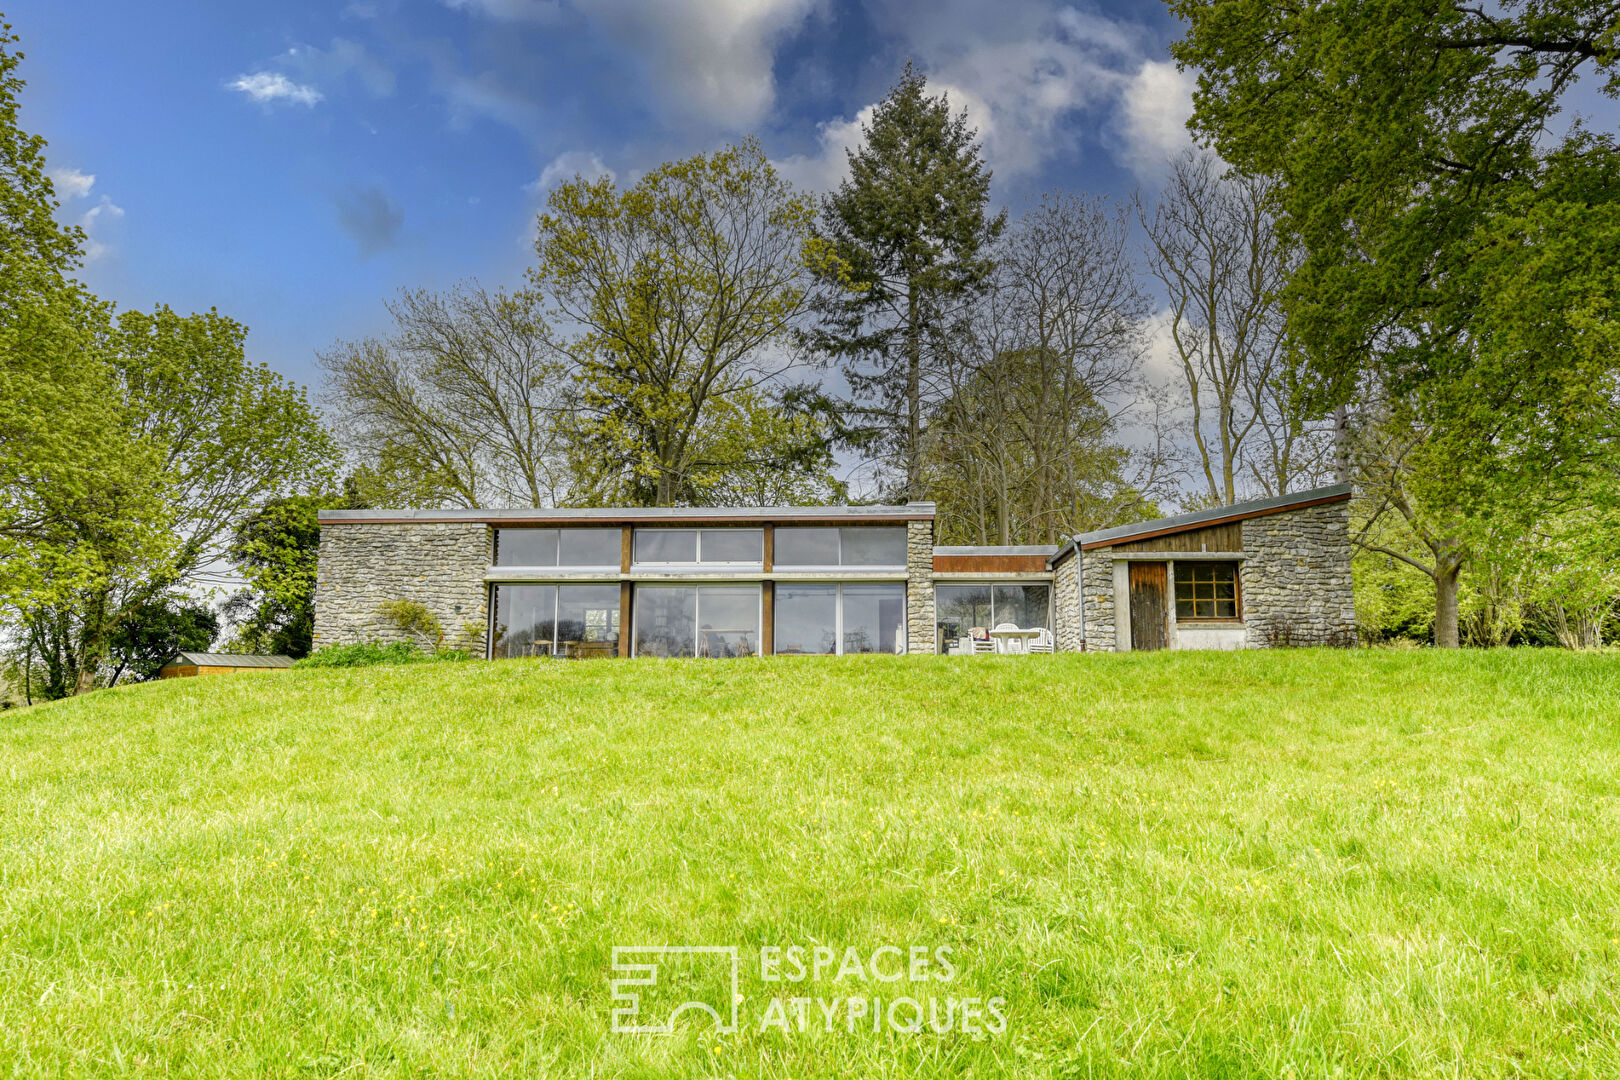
{"x":1215,"y":515}
{"x":216,"y":659}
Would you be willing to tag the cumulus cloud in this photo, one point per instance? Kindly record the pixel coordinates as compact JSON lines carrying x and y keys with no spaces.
{"x":711,"y":61}
{"x":93,"y":222}
{"x":371,"y":218}
{"x":826,"y":168}
{"x":268,"y":87}
{"x":71,"y":183}
{"x":1154,"y":107}
{"x":566,"y":166}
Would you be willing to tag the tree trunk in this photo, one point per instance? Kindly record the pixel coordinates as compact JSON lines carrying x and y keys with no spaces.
{"x":1341,"y":444}
{"x":1447,"y":571}
{"x":913,"y":397}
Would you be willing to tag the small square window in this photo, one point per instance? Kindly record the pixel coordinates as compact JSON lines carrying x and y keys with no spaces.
{"x":1206,"y":590}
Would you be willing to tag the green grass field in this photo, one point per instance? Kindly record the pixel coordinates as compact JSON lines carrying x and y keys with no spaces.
{"x":1294,"y":864}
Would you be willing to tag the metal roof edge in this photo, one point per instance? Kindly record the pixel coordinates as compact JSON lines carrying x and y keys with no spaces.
{"x":1233,"y":512}
{"x":629,"y":514}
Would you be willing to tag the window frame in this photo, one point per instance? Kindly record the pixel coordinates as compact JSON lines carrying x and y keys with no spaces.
{"x":698,"y":563}
{"x":840,"y":564}
{"x":697,"y":612}
{"x":556,"y":587}
{"x":1188,"y":566}
{"x":557,"y":531}
{"x":838,"y":614}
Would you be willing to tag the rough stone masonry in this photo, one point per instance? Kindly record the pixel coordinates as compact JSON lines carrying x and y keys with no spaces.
{"x":440,"y":565}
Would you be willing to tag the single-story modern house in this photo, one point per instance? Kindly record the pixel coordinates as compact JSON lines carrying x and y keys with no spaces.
{"x":183,"y":664}
{"x":731,"y":581}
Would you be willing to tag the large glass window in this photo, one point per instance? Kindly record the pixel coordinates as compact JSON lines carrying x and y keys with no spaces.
{"x":827,"y":619}
{"x":874,"y":618}
{"x":960,"y":610}
{"x":723,"y":547}
{"x":1206,"y":590}
{"x":854,"y":545}
{"x":557,"y":547}
{"x":715,"y":620}
{"x":575,"y":621}
{"x":806,"y":620}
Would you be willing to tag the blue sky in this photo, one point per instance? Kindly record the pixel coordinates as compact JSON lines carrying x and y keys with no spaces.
{"x":293,"y":164}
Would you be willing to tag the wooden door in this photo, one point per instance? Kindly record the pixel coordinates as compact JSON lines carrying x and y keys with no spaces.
{"x":1149,"y":629}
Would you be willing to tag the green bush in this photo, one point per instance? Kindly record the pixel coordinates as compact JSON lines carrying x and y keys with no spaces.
{"x":373,"y":652}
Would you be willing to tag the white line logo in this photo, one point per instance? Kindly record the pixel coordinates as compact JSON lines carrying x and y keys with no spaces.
{"x":685,"y":969}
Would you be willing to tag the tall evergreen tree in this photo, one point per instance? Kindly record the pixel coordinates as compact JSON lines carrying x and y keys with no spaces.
{"x":912,"y":231}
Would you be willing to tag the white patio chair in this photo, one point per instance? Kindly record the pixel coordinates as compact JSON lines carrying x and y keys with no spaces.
{"x":981,"y":644}
{"x":1007,"y":646}
{"x":1042,"y":644}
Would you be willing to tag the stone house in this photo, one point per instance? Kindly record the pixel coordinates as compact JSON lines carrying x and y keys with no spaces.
{"x":733,"y":581}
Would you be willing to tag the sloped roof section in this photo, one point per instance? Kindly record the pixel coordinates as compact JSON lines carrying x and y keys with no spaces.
{"x":216,"y":659}
{"x":1214,"y":516}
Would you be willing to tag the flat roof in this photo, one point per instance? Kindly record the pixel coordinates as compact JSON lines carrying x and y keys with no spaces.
{"x":637,"y":515}
{"x":1213,"y":516}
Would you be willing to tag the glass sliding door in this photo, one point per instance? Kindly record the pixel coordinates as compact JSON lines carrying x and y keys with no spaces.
{"x":842,"y":619}
{"x":874,"y":618}
{"x":959,"y":610}
{"x":587,"y":621}
{"x":1025,"y":606}
{"x":574,"y":621}
{"x":806,"y":620}
{"x":525,"y":621}
{"x":707,"y":620}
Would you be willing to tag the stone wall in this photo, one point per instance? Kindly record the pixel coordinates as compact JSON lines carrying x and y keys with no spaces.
{"x":920,"y":586}
{"x":1296,"y":579}
{"x":363,"y":566}
{"x":1066,"y":605}
{"x":1097,"y":596}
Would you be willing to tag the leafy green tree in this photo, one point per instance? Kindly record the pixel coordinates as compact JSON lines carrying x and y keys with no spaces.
{"x":687,"y":288}
{"x":1459,"y":245}
{"x":275,"y":550}
{"x":149,"y":633}
{"x":911,"y":233}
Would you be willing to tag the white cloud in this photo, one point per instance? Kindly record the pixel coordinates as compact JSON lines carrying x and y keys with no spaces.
{"x":267,"y":87}
{"x":566,"y":166}
{"x":93,"y":223}
{"x":826,"y":168}
{"x":338,"y":61}
{"x":71,"y":183}
{"x":1153,"y":111}
{"x":711,"y":61}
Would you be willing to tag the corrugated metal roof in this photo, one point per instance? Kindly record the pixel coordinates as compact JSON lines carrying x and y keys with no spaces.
{"x":215,"y":659}
{"x":1183,"y":522}
{"x":632,"y":514}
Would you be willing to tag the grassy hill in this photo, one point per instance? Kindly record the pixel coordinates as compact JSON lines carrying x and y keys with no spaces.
{"x":1293,"y":864}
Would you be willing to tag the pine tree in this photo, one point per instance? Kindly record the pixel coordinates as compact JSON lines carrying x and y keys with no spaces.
{"x":912,"y":232}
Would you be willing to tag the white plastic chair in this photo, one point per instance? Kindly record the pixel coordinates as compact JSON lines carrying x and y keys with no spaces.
{"x":1042,"y":644}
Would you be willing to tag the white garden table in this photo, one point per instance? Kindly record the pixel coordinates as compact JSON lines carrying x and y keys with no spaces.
{"x":1014,"y":641}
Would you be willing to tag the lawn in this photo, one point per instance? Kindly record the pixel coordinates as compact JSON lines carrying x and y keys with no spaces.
{"x":1293,"y":864}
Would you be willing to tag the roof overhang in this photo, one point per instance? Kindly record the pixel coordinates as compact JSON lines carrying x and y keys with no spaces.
{"x":1219,"y":515}
{"x":641,"y":515}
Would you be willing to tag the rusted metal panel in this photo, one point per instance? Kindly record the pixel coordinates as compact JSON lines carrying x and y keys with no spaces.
{"x":990,"y":564}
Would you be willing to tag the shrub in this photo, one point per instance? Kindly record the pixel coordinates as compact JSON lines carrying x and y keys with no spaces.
{"x":367,"y":653}
{"x":414,"y":618}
